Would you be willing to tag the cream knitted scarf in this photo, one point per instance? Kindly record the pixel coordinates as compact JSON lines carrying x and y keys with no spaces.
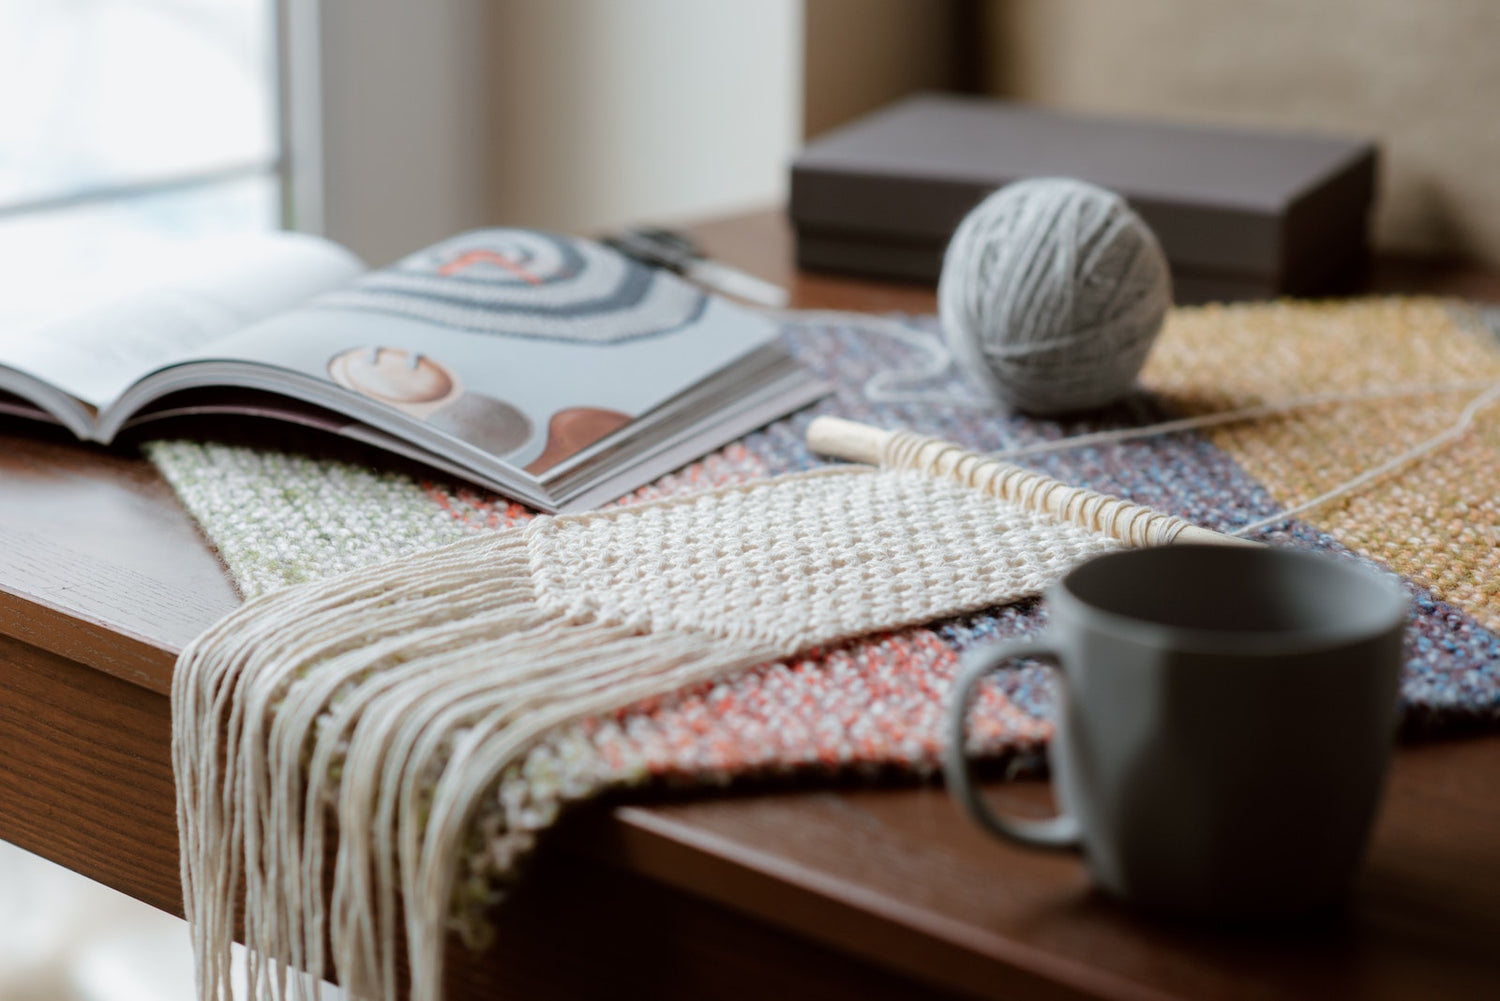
{"x":398,"y":702}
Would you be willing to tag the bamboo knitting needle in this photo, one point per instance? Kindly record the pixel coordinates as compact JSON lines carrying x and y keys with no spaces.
{"x":1129,"y":522}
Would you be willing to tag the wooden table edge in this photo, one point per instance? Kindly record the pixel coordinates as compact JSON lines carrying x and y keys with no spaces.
{"x":98,"y":645}
{"x":846,"y":915}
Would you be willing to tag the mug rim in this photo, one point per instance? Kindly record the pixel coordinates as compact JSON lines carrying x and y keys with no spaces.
{"x":1392,"y":614}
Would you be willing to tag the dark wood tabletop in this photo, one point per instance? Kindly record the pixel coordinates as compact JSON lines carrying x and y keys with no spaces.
{"x":855,"y":891}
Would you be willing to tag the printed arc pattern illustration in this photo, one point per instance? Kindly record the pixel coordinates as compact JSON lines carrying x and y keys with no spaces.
{"x":528,"y":283}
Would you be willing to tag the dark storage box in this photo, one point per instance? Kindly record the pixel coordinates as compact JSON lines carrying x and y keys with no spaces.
{"x":1241,"y":214}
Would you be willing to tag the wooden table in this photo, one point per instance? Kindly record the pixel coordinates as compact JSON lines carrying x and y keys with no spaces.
{"x":789,"y":893}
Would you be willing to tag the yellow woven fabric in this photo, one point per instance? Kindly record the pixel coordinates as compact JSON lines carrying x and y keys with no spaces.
{"x":1437,"y":520}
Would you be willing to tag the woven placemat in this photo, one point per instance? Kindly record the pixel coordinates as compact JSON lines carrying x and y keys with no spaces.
{"x":1403,"y":368}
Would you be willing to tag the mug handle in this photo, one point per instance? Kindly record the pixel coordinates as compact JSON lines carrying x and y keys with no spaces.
{"x":1061,"y":831}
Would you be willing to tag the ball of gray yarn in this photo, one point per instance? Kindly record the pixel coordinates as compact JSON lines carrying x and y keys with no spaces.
{"x":1052,"y":293}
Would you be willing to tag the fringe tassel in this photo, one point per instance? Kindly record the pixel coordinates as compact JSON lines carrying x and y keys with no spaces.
{"x":396,"y":698}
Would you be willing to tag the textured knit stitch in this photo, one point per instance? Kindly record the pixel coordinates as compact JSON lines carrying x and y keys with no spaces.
{"x":278,"y":519}
{"x":870,"y":705}
{"x":802,"y":560}
{"x":1450,"y":679}
{"x":1437,"y":523}
{"x":1115,"y":517}
{"x":420,"y":683}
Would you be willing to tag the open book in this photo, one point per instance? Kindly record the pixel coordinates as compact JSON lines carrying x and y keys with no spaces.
{"x":549,"y":368}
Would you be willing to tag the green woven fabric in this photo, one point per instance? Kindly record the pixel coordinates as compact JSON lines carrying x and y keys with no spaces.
{"x":279,"y":519}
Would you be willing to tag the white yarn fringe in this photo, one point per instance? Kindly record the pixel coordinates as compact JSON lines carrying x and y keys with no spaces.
{"x":394,"y":700}
{"x":399,"y":722}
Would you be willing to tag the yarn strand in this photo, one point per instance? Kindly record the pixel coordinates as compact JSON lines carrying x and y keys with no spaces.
{"x":1277,"y":408}
{"x":1051,"y":294}
{"x":939,"y":360}
{"x":401,"y":702}
{"x":897,"y":385}
{"x":887,"y":387}
{"x":1453,"y":433}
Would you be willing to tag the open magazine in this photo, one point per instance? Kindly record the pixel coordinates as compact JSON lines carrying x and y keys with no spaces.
{"x":549,"y":368}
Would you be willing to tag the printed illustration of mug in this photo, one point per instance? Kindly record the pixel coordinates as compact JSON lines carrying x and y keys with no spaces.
{"x":1225,"y":720}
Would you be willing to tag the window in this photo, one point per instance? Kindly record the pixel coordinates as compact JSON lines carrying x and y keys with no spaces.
{"x":129,"y":127}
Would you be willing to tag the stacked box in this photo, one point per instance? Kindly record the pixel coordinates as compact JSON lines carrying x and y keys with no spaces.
{"x":1240,"y":213}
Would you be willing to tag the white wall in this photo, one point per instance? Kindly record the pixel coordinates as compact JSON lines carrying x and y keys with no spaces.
{"x":576,"y":115}
{"x":609,"y":111}
{"x":403,"y":120}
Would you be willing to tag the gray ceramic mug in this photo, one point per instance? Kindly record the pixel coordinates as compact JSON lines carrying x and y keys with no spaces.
{"x":1224,"y":724}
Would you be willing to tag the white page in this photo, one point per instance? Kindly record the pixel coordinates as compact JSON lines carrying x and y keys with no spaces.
{"x":96,"y":350}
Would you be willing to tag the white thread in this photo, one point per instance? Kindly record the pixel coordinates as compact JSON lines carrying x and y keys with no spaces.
{"x":401,"y":696}
{"x":1276,"y":409}
{"x":896,"y":385}
{"x":940,"y":361}
{"x":1455,"y":431}
{"x":1052,"y":292}
{"x":1261,"y":410}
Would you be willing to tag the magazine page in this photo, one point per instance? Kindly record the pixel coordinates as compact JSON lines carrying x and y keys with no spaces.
{"x":19,"y":405}
{"x":522,"y":345}
{"x":94,"y":353}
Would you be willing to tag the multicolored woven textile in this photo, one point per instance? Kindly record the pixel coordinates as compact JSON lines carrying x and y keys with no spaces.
{"x":1403,"y":368}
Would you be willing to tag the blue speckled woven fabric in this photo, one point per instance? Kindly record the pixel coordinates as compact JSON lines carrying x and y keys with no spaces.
{"x":278,"y":519}
{"x":1452,"y":675}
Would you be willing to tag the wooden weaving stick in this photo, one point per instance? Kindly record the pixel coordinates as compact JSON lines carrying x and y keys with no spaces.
{"x":1134,"y":524}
